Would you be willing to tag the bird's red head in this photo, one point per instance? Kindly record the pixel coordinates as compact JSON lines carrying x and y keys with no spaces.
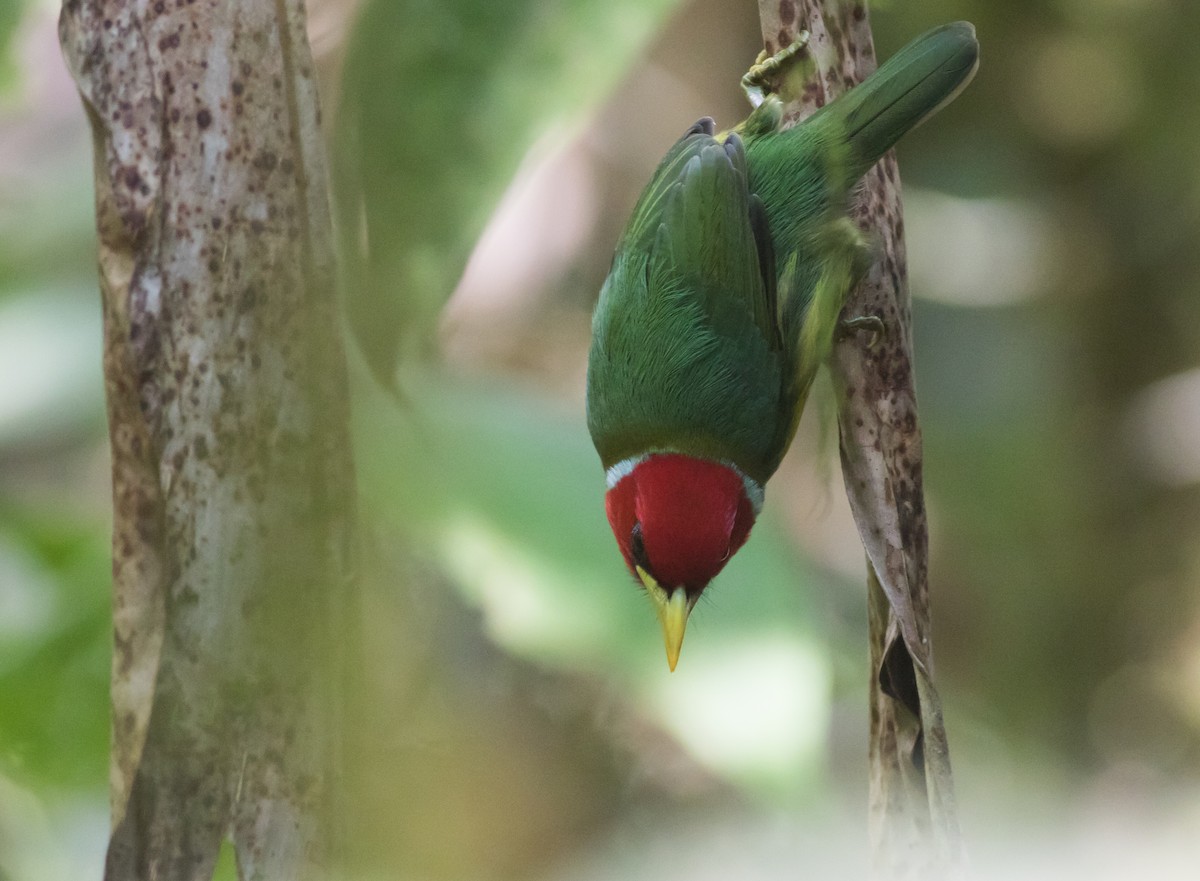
{"x":678,"y":520}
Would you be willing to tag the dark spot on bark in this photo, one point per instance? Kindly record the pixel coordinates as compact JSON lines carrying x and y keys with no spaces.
{"x":214,"y":265}
{"x":132,"y":178}
{"x":200,"y":447}
{"x":858,"y":13}
{"x":216,"y":223}
{"x":160,"y":7}
{"x":204,"y":118}
{"x":784,"y":38}
{"x":238,"y":88}
{"x":266,"y":161}
{"x":257,"y":227}
{"x":247,"y":300}
{"x":787,"y":11}
{"x":125,"y":651}
{"x":135,"y":220}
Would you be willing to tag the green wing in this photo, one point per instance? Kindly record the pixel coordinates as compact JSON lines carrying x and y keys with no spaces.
{"x":686,"y":350}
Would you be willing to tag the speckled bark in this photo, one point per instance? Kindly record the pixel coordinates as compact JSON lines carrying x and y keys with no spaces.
{"x":232,"y":480}
{"x":913,"y":819}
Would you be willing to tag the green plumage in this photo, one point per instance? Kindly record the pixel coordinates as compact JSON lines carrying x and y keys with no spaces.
{"x":725,"y":290}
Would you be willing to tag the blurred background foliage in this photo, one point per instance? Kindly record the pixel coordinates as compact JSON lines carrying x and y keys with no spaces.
{"x":519,"y":721}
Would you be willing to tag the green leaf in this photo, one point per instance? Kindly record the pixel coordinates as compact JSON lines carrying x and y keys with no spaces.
{"x":439,"y":102}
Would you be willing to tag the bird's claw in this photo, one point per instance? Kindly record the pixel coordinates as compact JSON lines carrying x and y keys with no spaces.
{"x":763,"y":76}
{"x":871,"y":323}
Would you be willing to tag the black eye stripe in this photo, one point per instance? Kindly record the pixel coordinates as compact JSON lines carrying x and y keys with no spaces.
{"x":637,"y":547}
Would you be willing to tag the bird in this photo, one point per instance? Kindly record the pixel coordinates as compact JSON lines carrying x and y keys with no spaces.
{"x":723,"y":299}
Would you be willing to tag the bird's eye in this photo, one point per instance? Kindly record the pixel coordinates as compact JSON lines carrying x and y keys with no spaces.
{"x":637,"y":547}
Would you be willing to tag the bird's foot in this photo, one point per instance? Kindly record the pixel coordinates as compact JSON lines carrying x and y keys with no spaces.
{"x":764,"y":75}
{"x":870,"y":323}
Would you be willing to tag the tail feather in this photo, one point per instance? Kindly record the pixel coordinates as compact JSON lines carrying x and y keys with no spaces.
{"x":910,"y":87}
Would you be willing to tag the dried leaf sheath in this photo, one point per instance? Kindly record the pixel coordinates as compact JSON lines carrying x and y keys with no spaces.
{"x":914,"y":825}
{"x":232,"y":482}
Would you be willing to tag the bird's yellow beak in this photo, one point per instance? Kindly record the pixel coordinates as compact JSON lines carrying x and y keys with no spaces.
{"x":673,"y":609}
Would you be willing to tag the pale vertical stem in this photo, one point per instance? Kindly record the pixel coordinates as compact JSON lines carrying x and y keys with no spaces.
{"x":227,"y":397}
{"x":913,"y":819}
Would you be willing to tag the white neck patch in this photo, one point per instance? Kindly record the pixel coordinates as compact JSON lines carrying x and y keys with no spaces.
{"x":753,"y":489}
{"x":623,"y":469}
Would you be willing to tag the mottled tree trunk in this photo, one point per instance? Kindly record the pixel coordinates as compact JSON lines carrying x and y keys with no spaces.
{"x":913,"y":819}
{"x":232,"y":478}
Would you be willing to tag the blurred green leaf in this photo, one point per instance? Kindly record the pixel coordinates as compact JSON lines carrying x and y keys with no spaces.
{"x":439,"y":101}
{"x":54,"y":683}
{"x":10,"y":16}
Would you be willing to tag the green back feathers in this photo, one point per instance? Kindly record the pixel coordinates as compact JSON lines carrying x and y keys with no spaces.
{"x":686,"y":351}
